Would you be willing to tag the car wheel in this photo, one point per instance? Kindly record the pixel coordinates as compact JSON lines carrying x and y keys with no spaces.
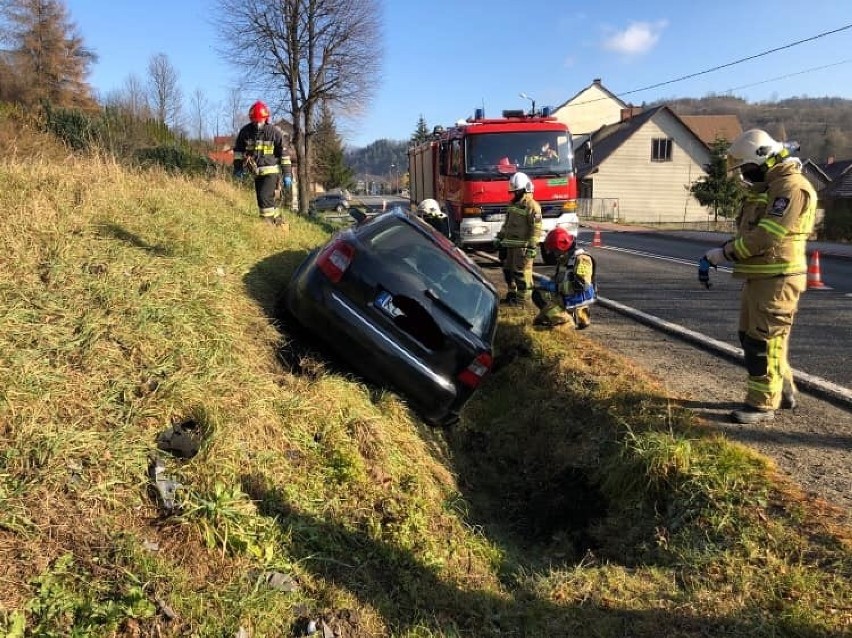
{"x":340,"y":208}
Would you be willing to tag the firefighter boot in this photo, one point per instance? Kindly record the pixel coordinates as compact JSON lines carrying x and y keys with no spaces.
{"x":788,"y":395}
{"x":749,"y":414}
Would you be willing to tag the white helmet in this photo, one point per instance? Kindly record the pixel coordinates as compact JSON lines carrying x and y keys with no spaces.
{"x":429,"y":208}
{"x":752,"y":147}
{"x":520,"y":182}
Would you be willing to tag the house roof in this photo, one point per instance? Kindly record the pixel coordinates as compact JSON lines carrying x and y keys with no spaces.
{"x":709,"y":128}
{"x":815,"y":174}
{"x":835,"y":169}
{"x":598,"y":84}
{"x":841,"y":186}
{"x":607,"y":139}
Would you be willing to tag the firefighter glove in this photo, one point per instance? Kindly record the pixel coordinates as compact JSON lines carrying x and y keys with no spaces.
{"x":715,"y":256}
{"x":704,"y":271}
{"x":498,"y":242}
{"x":530,"y":253}
{"x":547,"y":285}
{"x":288,"y":181}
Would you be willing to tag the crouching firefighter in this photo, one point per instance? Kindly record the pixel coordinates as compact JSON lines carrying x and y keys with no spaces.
{"x":569,"y":294}
{"x":260,"y":149}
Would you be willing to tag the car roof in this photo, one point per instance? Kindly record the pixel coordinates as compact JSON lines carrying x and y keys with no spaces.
{"x":439,"y":240}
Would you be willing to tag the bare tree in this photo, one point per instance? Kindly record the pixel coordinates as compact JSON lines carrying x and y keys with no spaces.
{"x":135,"y":97}
{"x":234,"y":111}
{"x":130,"y":99}
{"x":46,"y":53}
{"x":306,"y":53}
{"x":200,"y":106}
{"x":164,"y":91}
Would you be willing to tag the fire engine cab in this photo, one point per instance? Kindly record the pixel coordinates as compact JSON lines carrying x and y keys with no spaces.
{"x":467,"y":167}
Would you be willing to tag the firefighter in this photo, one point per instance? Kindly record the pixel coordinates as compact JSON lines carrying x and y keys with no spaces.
{"x":430,"y":211}
{"x":518,"y":238}
{"x":260,"y":149}
{"x":768,"y":253}
{"x":569,"y":294}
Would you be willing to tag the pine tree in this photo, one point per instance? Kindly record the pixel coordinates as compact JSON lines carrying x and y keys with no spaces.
{"x":421,"y":133}
{"x":718,"y":188}
{"x":47,"y":54}
{"x":329,"y":164}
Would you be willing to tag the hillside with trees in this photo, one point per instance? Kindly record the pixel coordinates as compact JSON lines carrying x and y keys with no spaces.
{"x":823,"y":126}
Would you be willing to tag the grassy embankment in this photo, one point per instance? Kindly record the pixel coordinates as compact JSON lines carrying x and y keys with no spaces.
{"x":574,"y":499}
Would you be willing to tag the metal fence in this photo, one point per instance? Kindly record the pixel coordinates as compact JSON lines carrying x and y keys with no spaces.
{"x":603,"y":209}
{"x":606,"y":209}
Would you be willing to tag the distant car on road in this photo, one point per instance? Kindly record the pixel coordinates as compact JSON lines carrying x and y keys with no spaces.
{"x":337,"y":202}
{"x":403,"y":306}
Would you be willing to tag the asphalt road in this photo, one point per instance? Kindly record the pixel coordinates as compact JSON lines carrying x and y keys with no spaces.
{"x":657,"y":274}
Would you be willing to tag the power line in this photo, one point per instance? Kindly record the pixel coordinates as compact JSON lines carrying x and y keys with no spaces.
{"x":740,"y":61}
{"x":789,"y":75}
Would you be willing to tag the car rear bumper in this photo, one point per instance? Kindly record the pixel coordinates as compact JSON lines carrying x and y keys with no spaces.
{"x":356,"y":338}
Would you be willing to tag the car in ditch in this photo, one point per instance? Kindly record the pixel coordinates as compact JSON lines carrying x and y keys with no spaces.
{"x":403,"y":306}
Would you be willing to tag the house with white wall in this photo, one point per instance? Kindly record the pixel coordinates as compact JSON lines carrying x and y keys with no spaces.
{"x":640,"y":170}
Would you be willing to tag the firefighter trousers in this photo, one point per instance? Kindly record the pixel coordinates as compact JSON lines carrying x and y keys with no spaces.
{"x":767,"y":309}
{"x":518,"y":273}
{"x":264,"y":188}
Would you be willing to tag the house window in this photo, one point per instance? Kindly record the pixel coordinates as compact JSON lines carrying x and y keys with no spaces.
{"x":661,"y":149}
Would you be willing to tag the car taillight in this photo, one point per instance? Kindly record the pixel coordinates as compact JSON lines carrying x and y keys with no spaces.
{"x":473,"y":374}
{"x":335,"y":259}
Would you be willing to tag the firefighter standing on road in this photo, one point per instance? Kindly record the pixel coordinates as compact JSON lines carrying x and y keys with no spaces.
{"x":260,"y":148}
{"x":569,"y":294}
{"x":519,"y":239}
{"x":768,"y":252}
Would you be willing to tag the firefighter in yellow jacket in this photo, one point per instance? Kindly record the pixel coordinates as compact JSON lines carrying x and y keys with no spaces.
{"x":570,"y":293}
{"x":260,"y":148}
{"x":768,"y":252}
{"x":518,"y":239}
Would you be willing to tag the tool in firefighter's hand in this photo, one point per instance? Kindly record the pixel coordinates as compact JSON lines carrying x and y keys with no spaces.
{"x":704,"y":271}
{"x":250,"y":164}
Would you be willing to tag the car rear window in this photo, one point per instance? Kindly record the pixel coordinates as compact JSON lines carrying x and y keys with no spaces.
{"x":458,"y":289}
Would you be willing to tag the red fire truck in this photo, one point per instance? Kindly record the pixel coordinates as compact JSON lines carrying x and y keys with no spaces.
{"x":467,"y":167}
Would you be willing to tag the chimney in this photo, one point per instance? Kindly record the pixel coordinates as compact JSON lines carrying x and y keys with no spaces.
{"x":629,"y":112}
{"x":596,"y":81}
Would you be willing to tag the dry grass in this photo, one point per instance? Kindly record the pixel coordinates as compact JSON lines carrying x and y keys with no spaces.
{"x":581,"y":503}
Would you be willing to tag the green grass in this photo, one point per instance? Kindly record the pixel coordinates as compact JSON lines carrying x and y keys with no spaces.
{"x":574,"y":499}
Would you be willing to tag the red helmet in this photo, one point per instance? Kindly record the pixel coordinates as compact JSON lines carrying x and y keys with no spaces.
{"x":559,"y":240}
{"x":259,"y":112}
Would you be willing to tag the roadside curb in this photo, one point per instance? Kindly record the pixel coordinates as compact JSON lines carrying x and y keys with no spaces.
{"x":814,"y":385}
{"x":826,"y":249}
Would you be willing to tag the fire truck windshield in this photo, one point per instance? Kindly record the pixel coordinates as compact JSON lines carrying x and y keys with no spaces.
{"x":533,"y":152}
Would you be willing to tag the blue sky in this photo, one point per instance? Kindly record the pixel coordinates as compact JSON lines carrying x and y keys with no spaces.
{"x":444,"y":58}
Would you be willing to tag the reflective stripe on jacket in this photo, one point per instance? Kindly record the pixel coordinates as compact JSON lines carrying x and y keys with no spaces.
{"x":522,"y":227}
{"x":774,"y":226}
{"x":266,"y":144}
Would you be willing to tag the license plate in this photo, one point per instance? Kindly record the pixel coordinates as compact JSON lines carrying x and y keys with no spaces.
{"x":384,"y":300}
